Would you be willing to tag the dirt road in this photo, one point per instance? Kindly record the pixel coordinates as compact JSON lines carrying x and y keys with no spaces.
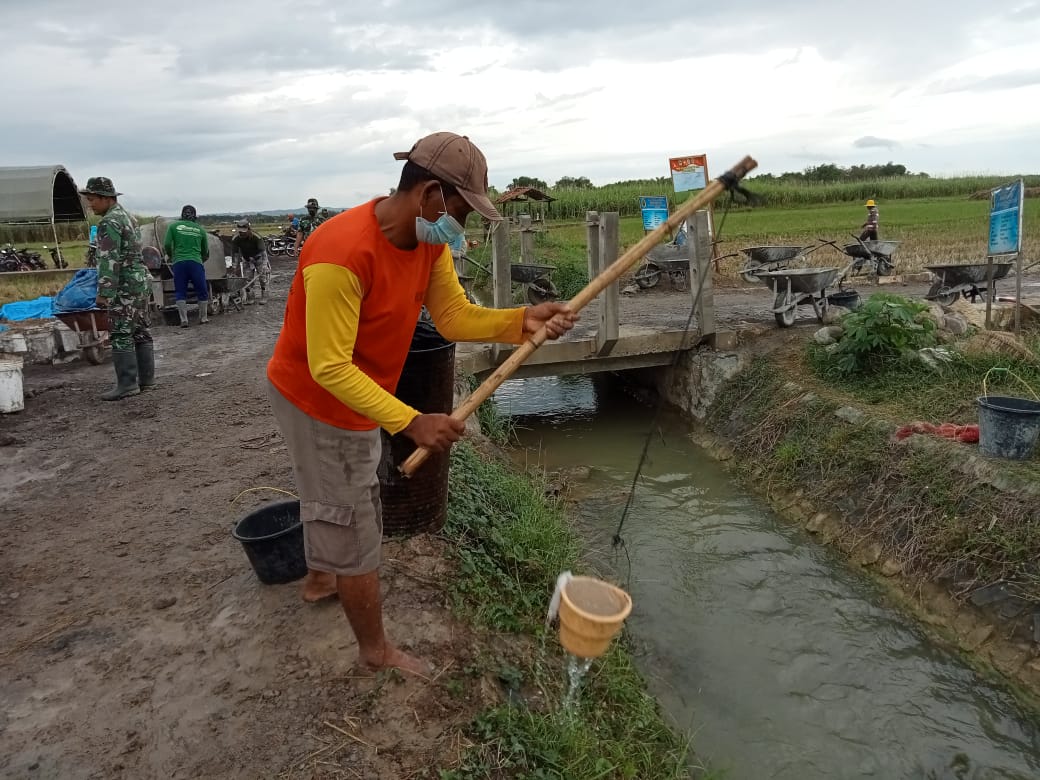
{"x":136,"y":641}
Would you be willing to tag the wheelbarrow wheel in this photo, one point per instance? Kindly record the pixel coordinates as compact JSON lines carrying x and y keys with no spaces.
{"x":541,"y":290}
{"x":95,"y":355}
{"x":784,"y":311}
{"x":885,"y":267}
{"x":748,"y":275}
{"x":648,"y":275}
{"x":943,"y":298}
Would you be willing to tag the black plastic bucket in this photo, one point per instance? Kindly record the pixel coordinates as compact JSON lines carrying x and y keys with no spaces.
{"x":419,"y":504}
{"x":272,"y":537}
{"x":848,"y":299}
{"x":1008,"y":427}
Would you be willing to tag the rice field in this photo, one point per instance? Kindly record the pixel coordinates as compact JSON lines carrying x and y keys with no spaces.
{"x":624,"y":197}
{"x":931,"y":231}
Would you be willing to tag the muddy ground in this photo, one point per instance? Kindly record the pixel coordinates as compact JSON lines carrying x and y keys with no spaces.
{"x":137,"y":642}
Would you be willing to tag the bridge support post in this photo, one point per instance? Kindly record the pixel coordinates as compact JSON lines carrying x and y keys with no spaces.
{"x":610,"y":298}
{"x":501,"y":283}
{"x":701,"y":277}
{"x":592,"y":241}
{"x":526,"y":240}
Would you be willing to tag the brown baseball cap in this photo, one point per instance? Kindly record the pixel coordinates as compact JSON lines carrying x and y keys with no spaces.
{"x":456,"y":161}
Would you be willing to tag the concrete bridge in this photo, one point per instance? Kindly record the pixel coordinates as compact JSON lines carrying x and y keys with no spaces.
{"x":615,"y":332}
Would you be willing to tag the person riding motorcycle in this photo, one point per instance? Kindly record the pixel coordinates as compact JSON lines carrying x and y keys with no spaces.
{"x":253,"y":250}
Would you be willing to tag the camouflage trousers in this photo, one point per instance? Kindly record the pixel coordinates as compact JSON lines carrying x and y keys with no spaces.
{"x":257,"y":266}
{"x":128,"y":323}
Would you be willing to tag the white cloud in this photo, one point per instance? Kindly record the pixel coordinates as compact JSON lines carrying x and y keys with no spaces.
{"x":261,"y":105}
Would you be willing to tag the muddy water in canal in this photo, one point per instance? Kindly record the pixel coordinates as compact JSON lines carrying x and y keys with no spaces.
{"x":778,"y":658}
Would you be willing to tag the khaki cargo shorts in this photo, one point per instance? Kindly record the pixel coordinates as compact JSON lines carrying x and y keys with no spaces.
{"x":339,"y":489}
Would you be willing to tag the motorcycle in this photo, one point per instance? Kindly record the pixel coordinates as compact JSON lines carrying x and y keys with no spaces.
{"x":281,"y":245}
{"x":12,"y":260}
{"x":56,"y":257}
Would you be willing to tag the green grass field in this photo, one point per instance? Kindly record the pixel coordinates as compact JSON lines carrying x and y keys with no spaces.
{"x":931,"y":231}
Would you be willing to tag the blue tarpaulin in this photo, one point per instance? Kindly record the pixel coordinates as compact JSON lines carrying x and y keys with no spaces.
{"x":80,"y":293}
{"x":40,"y":309}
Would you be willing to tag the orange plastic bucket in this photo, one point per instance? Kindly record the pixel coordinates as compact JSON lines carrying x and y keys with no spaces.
{"x":591,"y":613}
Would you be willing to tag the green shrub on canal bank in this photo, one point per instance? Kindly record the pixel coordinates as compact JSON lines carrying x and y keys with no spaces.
{"x":511,"y":545}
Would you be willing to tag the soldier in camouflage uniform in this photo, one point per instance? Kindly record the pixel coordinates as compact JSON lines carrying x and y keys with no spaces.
{"x":123,"y":288}
{"x":311,"y":221}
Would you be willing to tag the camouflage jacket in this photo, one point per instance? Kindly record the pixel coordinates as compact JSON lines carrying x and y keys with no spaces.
{"x":307,"y":224}
{"x":121,"y":271}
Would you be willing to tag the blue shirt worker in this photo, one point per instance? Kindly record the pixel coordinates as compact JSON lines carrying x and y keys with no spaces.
{"x":187,"y":246}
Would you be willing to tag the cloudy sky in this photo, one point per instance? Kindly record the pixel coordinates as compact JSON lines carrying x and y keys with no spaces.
{"x":251,"y":106}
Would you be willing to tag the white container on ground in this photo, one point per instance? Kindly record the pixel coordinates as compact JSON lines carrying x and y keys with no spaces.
{"x":12,"y":393}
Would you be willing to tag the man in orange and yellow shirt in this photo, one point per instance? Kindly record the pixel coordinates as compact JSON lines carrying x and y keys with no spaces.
{"x":362,"y":279}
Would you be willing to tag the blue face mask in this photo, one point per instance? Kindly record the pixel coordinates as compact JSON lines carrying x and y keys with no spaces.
{"x":445,"y":230}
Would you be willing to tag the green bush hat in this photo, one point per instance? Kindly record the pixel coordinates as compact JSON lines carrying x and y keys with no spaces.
{"x":100,"y":185}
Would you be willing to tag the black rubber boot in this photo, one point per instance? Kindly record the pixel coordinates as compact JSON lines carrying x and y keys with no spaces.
{"x":145,"y":366}
{"x":125,"y":362}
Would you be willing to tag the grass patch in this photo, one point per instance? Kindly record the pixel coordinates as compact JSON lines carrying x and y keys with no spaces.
{"x":912,"y":391}
{"x":511,"y":545}
{"x":919,"y":499}
{"x":27,"y":289}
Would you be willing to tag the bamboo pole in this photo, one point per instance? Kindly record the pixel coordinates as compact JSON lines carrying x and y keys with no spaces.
{"x":609,"y":275}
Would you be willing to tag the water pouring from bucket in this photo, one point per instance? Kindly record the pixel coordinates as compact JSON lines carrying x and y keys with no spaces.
{"x":591,"y":613}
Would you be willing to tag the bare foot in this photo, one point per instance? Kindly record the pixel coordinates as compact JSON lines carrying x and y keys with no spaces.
{"x":392,"y":658}
{"x":319,"y":585}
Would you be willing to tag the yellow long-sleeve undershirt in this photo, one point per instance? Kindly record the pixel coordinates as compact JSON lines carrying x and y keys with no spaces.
{"x":333,"y":312}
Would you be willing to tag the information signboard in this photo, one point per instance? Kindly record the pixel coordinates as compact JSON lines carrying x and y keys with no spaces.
{"x":654,"y":209}
{"x":689,"y":173}
{"x":1005,"y":219}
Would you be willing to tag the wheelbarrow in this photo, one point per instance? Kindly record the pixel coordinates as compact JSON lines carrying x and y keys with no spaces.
{"x":953,"y":281}
{"x":794,"y":287}
{"x":230,"y":292}
{"x":536,"y":278}
{"x":767,"y":258}
{"x":874,"y":256}
{"x":91,"y":328}
{"x":672,"y":260}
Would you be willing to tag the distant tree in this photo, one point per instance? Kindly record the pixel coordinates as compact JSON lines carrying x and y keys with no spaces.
{"x":829,"y":172}
{"x":573,"y":183}
{"x":527,"y":181}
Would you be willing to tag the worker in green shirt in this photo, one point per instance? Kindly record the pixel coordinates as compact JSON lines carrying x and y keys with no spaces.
{"x":187,"y":247}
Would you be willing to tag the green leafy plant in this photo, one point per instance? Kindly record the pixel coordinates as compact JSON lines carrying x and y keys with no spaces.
{"x":884,"y":329}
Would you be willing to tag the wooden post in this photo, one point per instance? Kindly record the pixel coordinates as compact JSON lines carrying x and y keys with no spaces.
{"x":989,"y":290}
{"x":501,"y":283}
{"x":610,"y":298}
{"x":526,"y":240}
{"x":592,"y":242}
{"x":700,"y":271}
{"x":1018,"y":294}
